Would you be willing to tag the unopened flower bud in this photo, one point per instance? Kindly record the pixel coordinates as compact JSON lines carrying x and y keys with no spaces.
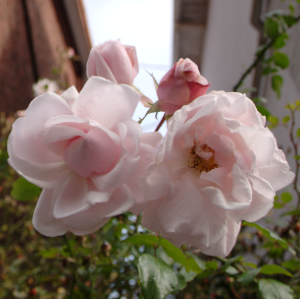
{"x":180,"y":86}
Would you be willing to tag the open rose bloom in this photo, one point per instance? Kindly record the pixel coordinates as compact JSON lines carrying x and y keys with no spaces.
{"x":217,"y":165}
{"x":84,"y":151}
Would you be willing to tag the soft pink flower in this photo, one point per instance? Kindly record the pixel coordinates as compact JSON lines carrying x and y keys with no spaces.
{"x":82,"y":149}
{"x":180,"y":86}
{"x":113,"y":61}
{"x":216,"y":166}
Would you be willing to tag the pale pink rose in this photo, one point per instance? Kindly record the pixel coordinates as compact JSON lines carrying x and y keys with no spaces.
{"x":180,"y":86}
{"x":113,"y":61}
{"x":82,"y":149}
{"x":216,"y":166}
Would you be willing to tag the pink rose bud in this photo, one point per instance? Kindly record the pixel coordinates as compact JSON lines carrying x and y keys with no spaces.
{"x":180,"y":86}
{"x":113,"y":61}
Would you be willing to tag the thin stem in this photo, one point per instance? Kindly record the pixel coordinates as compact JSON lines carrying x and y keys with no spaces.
{"x":68,"y":245}
{"x":295,"y":147}
{"x":160,"y":123}
{"x":73,"y":272}
{"x":259,"y":57}
{"x":234,"y":292}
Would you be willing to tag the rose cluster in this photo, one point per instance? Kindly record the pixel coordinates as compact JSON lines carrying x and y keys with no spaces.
{"x":217,"y":165}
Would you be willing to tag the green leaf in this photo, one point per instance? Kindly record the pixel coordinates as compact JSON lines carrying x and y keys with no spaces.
{"x":175,"y":253}
{"x":161,"y":254}
{"x":149,"y":240}
{"x":292,"y":265}
{"x":194,"y":266}
{"x":270,"y":235}
{"x":181,"y":283}
{"x":260,"y":100}
{"x":268,"y":70}
{"x":281,"y":59}
{"x":271,"y":28}
{"x":24,"y":191}
{"x":292,"y":9}
{"x":213,"y":265}
{"x":286,"y":119}
{"x":273,"y":289}
{"x":286,"y":197}
{"x":297,"y":157}
{"x":154,"y":80}
{"x":277,"y":83}
{"x":273,"y":120}
{"x":280,"y":41}
{"x":278,"y":205}
{"x":248,"y":276}
{"x":298,"y":132}
{"x":197,"y":260}
{"x":50,"y":253}
{"x":263,"y":111}
{"x":156,"y":277}
{"x":232,"y":271}
{"x":274,"y":269}
{"x":289,"y":20}
{"x":153,"y":109}
{"x":250,"y":265}
{"x":188,"y":276}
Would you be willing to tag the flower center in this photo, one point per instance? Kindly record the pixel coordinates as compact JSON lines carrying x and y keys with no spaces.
{"x":202,"y":158}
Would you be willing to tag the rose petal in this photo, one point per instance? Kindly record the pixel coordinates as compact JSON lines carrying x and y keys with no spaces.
{"x":72,"y":198}
{"x":25,"y":140}
{"x":147,"y":154}
{"x":278,"y":173}
{"x":119,"y":62}
{"x":56,"y":138}
{"x":70,"y":95}
{"x":43,"y":175}
{"x":151,"y":138}
{"x":155,"y":184}
{"x":122,"y":171}
{"x":97,"y":153}
{"x":99,"y":98}
{"x":224,"y":246}
{"x":194,"y":216}
{"x":131,"y":52}
{"x":96,"y":66}
{"x":43,"y":219}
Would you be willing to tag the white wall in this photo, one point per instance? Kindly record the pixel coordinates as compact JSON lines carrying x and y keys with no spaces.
{"x":230,"y":43}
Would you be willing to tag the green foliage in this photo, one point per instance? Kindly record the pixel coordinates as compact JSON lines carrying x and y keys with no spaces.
{"x":175,"y":253}
{"x":286,"y":197}
{"x":277,"y":82}
{"x":156,"y":277}
{"x":149,"y":240}
{"x":248,"y":276}
{"x":155,"y":108}
{"x":270,"y":235}
{"x":273,"y":120}
{"x":286,"y":119}
{"x":268,"y":70}
{"x":154,"y":80}
{"x":271,"y":28}
{"x":280,"y":41}
{"x":274,"y":269}
{"x":263,"y":110}
{"x":23,"y":190}
{"x":273,"y":289}
{"x":280,"y":59}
